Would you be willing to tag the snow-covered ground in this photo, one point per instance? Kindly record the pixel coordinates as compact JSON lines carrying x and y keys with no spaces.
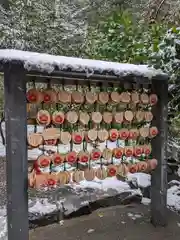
{"x":143,"y":180}
{"x":42,"y":206}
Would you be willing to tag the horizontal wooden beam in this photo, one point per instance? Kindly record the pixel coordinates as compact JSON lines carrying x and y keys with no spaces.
{"x":104,"y":76}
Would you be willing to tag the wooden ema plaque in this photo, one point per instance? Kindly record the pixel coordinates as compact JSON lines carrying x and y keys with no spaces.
{"x":95,"y":133}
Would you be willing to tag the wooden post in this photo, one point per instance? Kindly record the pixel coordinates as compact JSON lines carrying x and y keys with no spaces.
{"x":159,"y":145}
{"x":16,"y":152}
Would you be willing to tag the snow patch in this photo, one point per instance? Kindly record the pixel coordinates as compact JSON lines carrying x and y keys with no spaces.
{"x":143,"y":180}
{"x":48,"y":63}
{"x":90,"y":230}
{"x":42,"y":206}
{"x":134,"y":216}
{"x":108,"y":183}
{"x":146,"y":201}
{"x":173,"y":198}
{"x":3,"y":225}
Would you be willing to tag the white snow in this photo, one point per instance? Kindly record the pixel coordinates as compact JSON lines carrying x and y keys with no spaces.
{"x":134,"y":216}
{"x":42,"y":206}
{"x":47,"y":63}
{"x":108,"y":183}
{"x":142,"y":179}
{"x":90,"y":230}
{"x":178,"y":171}
{"x":3,"y":225}
{"x":173,"y":197}
{"x":146,"y":201}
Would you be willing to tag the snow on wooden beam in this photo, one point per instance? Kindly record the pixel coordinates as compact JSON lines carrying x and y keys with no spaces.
{"x":55,"y":65}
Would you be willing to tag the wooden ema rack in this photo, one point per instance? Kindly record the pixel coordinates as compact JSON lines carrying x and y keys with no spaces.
{"x":97,"y":132}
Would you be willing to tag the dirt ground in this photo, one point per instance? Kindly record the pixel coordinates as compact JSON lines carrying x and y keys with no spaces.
{"x":116,"y":223}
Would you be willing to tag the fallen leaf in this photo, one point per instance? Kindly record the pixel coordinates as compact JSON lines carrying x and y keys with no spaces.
{"x":100,"y":214}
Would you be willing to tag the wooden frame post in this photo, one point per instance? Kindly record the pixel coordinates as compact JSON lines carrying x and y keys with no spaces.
{"x":16,"y":152}
{"x":159,"y":176}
